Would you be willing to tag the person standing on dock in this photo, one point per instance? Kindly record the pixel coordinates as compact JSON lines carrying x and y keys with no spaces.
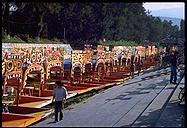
{"x":60,"y":96}
{"x":173,"y":62}
{"x":132,"y":67}
{"x":160,"y":59}
{"x":140,"y":65}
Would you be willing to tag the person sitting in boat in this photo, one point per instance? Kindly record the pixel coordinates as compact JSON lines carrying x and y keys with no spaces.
{"x":10,"y":92}
{"x":5,"y":108}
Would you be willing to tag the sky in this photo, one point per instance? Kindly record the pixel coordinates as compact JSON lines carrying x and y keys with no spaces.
{"x":155,"y":6}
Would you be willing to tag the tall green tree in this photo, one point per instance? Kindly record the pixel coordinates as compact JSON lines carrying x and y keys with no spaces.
{"x":38,"y":12}
{"x":80,"y":22}
{"x":182,"y":31}
{"x":5,"y":15}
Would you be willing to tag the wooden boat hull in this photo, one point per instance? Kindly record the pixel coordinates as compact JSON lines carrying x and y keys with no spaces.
{"x":23,"y":116}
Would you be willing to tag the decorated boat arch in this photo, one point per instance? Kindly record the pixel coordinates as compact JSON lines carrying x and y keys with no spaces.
{"x":12,"y":86}
{"x":55,"y":66}
{"x":36,"y":69}
{"x":77,"y":65}
{"x":100,"y":62}
{"x":87,"y":62}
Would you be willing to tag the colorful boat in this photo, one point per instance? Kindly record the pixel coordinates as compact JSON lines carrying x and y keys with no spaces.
{"x":33,"y":69}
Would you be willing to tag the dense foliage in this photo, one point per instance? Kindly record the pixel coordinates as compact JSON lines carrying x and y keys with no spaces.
{"x":91,"y":22}
{"x":120,"y":43}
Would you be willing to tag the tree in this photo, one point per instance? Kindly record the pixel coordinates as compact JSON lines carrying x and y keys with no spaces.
{"x":182,"y":31}
{"x":38,"y":12}
{"x":43,"y":9}
{"x":5,"y":15}
{"x":87,"y":22}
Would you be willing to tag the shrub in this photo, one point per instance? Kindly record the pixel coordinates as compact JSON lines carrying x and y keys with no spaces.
{"x":55,"y":40}
{"x":120,"y":43}
{"x":9,"y":39}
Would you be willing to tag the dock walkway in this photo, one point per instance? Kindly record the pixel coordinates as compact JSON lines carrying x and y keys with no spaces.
{"x":148,"y":100}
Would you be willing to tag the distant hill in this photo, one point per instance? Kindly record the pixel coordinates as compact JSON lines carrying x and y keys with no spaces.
{"x":171,"y":12}
{"x":176,"y":21}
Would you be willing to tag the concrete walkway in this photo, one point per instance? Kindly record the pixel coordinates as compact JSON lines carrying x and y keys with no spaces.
{"x":173,"y":114}
{"x":142,"y":101}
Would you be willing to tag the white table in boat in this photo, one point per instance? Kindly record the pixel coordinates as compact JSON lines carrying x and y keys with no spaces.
{"x":65,"y":82}
{"x":51,"y":84}
{"x":30,"y":89}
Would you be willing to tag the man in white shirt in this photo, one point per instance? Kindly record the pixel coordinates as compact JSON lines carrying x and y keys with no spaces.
{"x":60,"y":95}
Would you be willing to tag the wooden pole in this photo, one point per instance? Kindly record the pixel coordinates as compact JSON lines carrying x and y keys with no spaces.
{"x":17,"y":94}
